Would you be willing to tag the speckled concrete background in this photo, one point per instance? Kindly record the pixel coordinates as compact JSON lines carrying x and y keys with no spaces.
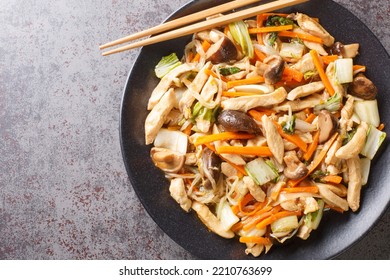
{"x":64,"y":192}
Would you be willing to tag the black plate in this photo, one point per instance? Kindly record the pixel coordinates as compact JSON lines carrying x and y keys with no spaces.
{"x":337,"y":231}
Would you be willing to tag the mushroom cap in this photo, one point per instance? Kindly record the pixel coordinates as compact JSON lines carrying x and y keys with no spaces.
{"x":362,"y":87}
{"x":167,"y":160}
{"x":223,"y":50}
{"x":274,"y":72}
{"x":235,"y":121}
{"x":327,"y":124}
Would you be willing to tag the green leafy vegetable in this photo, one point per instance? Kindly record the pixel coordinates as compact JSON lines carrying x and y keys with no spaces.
{"x":309,"y":74}
{"x":318,"y":175}
{"x":333,"y":104}
{"x":203,"y":113}
{"x":289,"y":125}
{"x":239,"y":31}
{"x":277,"y":21}
{"x":228,"y":70}
{"x":260,"y":171}
{"x":374,"y":140}
{"x":313,"y":219}
{"x":166,"y":64}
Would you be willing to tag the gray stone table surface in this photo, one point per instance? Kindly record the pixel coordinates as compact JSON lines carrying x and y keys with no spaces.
{"x":64,"y":191}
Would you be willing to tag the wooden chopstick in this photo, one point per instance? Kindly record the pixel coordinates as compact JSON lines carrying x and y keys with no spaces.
{"x":222,"y":20}
{"x":181,"y":21}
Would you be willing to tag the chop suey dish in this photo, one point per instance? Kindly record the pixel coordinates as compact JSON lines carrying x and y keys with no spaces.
{"x":262,"y":126}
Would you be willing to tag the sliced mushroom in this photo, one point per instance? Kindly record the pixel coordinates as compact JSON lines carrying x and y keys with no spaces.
{"x":210,"y":168}
{"x":245,"y":103}
{"x":346,"y":51}
{"x":223,"y":50}
{"x":274,"y":72}
{"x":362,"y":87}
{"x":167,"y":160}
{"x":178,"y":192}
{"x":210,"y":220}
{"x":295,"y":168}
{"x":327,"y":124}
{"x":235,"y":121}
{"x":355,"y":145}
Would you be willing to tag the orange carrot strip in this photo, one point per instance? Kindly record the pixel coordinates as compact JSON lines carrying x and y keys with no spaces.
{"x":309,"y":189}
{"x":305,"y":37}
{"x":237,"y":93}
{"x":317,"y":160}
{"x":292,"y":74}
{"x":255,"y":239}
{"x":254,"y":80}
{"x":241,"y":170}
{"x":237,"y":226}
{"x":221,"y":136}
{"x":244,"y":201}
{"x":258,"y":217}
{"x":187,"y":130}
{"x":259,"y":55}
{"x":326,"y":59}
{"x":174,"y":127}
{"x":312,"y":147}
{"x":257,"y":114}
{"x":321,"y":72}
{"x":381,"y":126}
{"x":259,"y":23}
{"x":261,"y":151}
{"x":293,"y":138}
{"x":270,"y":29}
{"x":360,"y":68}
{"x":335,"y":179}
{"x":257,"y":207}
{"x":205,"y":46}
{"x":310,"y":118}
{"x":211,"y":73}
{"x":277,"y":216}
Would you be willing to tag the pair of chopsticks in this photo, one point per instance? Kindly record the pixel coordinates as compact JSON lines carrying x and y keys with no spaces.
{"x":190,"y":29}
